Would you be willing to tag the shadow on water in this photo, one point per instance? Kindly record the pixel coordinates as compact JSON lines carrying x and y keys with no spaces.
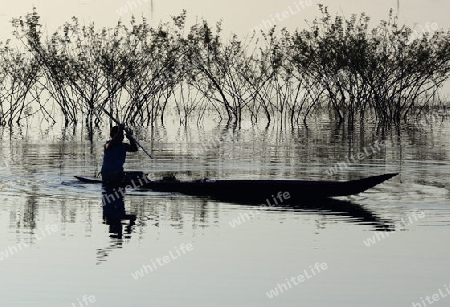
{"x":116,"y":218}
{"x":121,"y":224}
{"x":353,"y":212}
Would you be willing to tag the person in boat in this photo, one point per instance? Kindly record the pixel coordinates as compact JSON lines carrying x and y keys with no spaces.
{"x":114,"y":155}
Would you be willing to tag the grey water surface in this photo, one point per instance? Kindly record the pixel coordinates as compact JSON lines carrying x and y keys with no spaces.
{"x":385,"y":247}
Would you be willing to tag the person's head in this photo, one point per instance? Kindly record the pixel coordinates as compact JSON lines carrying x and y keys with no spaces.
{"x":115,"y":130}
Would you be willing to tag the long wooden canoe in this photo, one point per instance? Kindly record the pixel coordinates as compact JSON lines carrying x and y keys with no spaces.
{"x":254,"y":191}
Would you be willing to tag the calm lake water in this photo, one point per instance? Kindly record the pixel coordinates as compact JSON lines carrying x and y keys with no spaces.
{"x":60,"y":248}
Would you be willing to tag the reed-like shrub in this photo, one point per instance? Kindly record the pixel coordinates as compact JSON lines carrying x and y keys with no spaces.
{"x":140,"y":72}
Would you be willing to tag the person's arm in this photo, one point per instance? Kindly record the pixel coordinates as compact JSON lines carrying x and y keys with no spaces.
{"x":133,"y":146}
{"x":116,"y":140}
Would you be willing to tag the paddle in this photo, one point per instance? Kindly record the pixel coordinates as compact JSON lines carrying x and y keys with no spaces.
{"x":129,"y":135}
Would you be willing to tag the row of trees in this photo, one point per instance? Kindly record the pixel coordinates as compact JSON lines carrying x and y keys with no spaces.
{"x":139,"y":72}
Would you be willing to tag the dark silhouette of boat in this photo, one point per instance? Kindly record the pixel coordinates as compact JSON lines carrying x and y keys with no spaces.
{"x":271,"y":192}
{"x":303,"y":195}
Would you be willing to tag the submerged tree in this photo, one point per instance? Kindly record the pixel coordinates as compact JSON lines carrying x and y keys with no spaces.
{"x":141,"y":72}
